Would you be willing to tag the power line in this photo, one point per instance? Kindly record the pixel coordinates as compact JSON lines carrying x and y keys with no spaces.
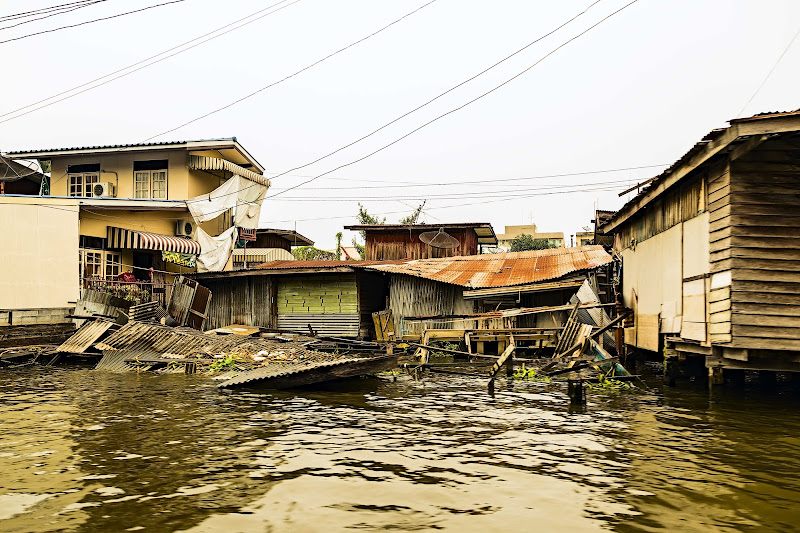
{"x":489,"y":182}
{"x":257,"y":91}
{"x":53,"y":14}
{"x":35,"y":12}
{"x":92,"y":21}
{"x":770,"y":72}
{"x":401,"y":116}
{"x":145,"y":60}
{"x":454,"y":110}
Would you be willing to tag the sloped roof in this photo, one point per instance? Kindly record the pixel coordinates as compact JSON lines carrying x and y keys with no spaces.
{"x":501,"y":270}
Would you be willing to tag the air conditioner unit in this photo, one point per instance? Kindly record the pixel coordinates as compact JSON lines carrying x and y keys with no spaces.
{"x":103,"y":189}
{"x":184,"y":228}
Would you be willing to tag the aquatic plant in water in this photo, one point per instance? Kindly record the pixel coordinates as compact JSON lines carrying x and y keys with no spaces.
{"x":220,"y":365}
{"x":529,"y":374}
{"x":606,"y":382}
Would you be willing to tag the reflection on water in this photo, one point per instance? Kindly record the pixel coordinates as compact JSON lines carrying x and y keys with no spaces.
{"x":90,"y":451}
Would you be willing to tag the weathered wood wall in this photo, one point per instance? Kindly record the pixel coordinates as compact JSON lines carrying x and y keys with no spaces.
{"x":411,"y":296}
{"x":405,"y":244}
{"x":373,"y":296}
{"x":239,"y":300}
{"x":755,"y":250}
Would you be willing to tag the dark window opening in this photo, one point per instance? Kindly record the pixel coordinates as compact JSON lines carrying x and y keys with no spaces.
{"x":95,"y":243}
{"x":79,"y":169}
{"x":154,"y":164}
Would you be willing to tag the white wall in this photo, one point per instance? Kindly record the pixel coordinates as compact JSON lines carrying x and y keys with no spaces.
{"x":653,"y":274}
{"x":38,"y":253}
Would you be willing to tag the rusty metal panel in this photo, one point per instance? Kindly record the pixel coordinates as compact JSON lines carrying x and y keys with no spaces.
{"x":502,"y":270}
{"x":89,"y":333}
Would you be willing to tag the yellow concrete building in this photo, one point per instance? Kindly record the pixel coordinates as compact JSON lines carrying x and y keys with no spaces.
{"x":555,"y":239}
{"x":110,"y":210}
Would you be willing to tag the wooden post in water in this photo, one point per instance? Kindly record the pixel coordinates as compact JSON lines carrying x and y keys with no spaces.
{"x":575,"y":392}
{"x":715,"y":376}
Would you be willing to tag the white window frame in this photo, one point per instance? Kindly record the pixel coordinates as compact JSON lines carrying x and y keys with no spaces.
{"x":80,"y":183}
{"x":112,"y":265}
{"x":150,"y":189}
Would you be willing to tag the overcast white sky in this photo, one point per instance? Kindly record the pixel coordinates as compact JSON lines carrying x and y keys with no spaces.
{"x":639,"y":89}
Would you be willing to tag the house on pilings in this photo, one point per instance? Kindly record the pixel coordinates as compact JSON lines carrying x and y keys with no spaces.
{"x":711,"y":252}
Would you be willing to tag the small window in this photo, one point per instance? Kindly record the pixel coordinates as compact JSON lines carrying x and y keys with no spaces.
{"x":150,"y":184}
{"x":93,"y":264}
{"x":76,"y":185}
{"x":113,"y":265}
{"x":142,"y":184}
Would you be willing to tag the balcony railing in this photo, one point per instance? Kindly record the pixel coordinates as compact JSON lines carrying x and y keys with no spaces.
{"x":133,"y":291}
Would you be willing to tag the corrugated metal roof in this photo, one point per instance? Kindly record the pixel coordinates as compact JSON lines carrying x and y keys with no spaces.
{"x":110,"y":146}
{"x":89,"y":333}
{"x":501,"y":270}
{"x":300,"y":265}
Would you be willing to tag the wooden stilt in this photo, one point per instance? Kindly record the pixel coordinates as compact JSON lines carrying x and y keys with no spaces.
{"x":715,"y":376}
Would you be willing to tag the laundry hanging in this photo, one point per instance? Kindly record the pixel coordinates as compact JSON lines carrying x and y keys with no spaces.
{"x":215,"y":251}
{"x":239,"y":193}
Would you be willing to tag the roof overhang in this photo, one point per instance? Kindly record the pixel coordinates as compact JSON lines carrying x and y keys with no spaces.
{"x":483,"y":230}
{"x":742,"y":136}
{"x":227,"y":148}
{"x":130,"y":204}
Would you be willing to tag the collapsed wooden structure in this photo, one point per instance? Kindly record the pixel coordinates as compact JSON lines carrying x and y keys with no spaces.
{"x":710,"y":250}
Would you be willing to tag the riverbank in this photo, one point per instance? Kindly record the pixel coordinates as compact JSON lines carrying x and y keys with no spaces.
{"x":91,"y":451}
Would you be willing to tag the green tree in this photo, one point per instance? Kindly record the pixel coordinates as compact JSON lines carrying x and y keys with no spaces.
{"x":414,"y":216}
{"x":310,"y":253}
{"x":527,"y":242}
{"x":339,"y":246}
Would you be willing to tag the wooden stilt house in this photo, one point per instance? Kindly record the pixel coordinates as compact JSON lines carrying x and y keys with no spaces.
{"x":711,"y":249}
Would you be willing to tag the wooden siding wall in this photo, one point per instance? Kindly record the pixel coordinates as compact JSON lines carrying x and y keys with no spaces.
{"x":405,"y":244}
{"x":685,"y":202}
{"x":755,"y":250}
{"x":240,"y":300}
{"x":411,"y":296}
{"x":265,"y":240}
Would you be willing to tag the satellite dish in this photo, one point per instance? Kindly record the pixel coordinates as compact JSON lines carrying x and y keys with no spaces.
{"x":587,"y":228}
{"x":439,"y":239}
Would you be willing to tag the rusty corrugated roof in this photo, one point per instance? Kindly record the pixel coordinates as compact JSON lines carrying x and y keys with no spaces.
{"x":500,"y":270}
{"x":297,"y":265}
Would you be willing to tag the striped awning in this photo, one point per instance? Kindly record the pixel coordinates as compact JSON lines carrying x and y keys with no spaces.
{"x":202,"y":162}
{"x":143,"y":240}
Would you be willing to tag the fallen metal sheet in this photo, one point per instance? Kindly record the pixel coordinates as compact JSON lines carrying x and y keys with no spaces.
{"x":87,"y":335}
{"x":147,"y":312}
{"x":113,"y":361}
{"x":287,"y":376}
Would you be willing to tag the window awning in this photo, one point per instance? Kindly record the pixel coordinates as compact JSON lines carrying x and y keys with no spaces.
{"x":203,"y":162}
{"x":143,"y":240}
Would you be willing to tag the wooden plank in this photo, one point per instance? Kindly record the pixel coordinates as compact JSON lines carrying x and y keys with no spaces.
{"x":778,"y":321}
{"x":720,"y":338}
{"x":720,"y":316}
{"x":716,"y":328}
{"x":765,"y":331}
{"x":500,"y":362}
{"x":718,"y":295}
{"x":719,"y":306}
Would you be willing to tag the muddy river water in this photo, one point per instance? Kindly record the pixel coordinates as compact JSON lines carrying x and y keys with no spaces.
{"x":82,"y":450}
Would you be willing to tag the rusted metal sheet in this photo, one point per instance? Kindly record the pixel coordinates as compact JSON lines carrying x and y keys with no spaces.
{"x":502,"y":270}
{"x":87,"y":335}
{"x":147,"y":312}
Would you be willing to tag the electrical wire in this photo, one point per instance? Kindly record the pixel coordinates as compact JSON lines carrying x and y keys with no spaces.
{"x":33,"y":13}
{"x":769,"y":74}
{"x":273,"y":84}
{"x":489,"y":182}
{"x":91,"y":21}
{"x":145,"y":60}
{"x":401,"y":116}
{"x":60,"y":12}
{"x":456,"y":109}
